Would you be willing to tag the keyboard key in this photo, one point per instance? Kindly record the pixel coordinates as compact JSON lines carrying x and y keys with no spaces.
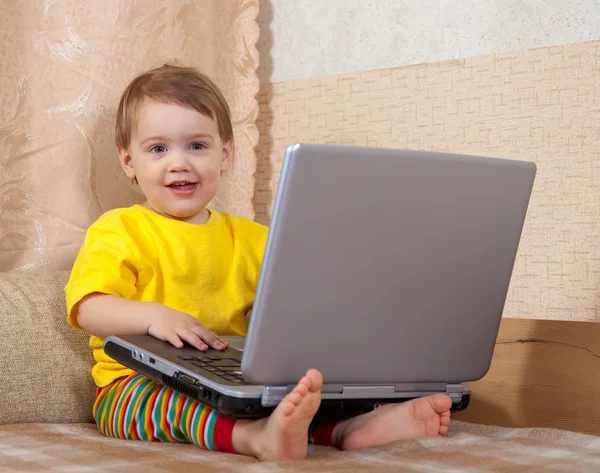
{"x":225,"y":362}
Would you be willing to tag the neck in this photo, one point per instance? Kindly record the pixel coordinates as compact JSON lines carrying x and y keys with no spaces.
{"x":198,"y":219}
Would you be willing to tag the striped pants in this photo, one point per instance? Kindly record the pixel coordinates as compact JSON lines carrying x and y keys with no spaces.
{"x":138,"y":408}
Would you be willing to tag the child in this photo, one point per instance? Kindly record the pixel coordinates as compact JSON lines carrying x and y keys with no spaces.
{"x":180,"y":272}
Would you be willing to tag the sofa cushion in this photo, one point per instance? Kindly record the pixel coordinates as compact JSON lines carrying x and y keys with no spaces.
{"x":468,"y":448}
{"x":45,"y":371}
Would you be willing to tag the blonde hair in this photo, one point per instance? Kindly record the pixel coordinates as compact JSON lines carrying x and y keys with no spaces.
{"x":183,"y":86}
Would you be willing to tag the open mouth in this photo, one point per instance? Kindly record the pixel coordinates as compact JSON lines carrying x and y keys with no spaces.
{"x":182,"y":186}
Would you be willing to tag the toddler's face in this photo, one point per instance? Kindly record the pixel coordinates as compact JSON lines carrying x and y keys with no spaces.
{"x":177,"y":156}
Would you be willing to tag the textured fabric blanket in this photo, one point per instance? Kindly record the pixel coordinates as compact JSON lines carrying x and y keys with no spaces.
{"x":468,"y":448}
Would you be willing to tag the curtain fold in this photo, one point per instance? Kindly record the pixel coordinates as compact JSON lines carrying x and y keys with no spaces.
{"x":65,"y":64}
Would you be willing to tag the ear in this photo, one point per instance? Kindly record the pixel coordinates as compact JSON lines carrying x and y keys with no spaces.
{"x":227,"y":156}
{"x":125,"y":160}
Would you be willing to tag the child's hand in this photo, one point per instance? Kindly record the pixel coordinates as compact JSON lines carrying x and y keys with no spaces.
{"x":177,"y":327}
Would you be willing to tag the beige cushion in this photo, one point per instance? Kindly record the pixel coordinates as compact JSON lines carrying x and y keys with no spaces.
{"x":45,"y":371}
{"x":468,"y":448}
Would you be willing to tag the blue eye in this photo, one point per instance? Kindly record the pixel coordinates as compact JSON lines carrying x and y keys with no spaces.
{"x":158,"y":149}
{"x":197,"y":146}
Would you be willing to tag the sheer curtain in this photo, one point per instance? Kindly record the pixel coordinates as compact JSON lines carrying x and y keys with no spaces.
{"x":64,"y":65}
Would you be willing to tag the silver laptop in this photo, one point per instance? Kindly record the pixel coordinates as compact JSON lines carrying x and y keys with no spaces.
{"x":386,"y":269}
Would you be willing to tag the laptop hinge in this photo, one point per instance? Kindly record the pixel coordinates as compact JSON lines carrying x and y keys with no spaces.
{"x":272,"y":395}
{"x":455,"y":391}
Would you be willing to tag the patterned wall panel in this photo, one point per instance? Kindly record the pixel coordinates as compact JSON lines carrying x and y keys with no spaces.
{"x":541,"y":105}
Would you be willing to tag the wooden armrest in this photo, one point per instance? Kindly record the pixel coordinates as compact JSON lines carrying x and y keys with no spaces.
{"x":544,"y":373}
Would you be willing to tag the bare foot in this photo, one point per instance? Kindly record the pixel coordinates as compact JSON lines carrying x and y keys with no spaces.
{"x":423,"y":417}
{"x":284,"y":434}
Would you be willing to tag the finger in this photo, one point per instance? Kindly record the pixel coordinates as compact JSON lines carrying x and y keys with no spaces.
{"x":192,"y":338}
{"x":173,"y":339}
{"x":224,"y":342}
{"x":209,"y":337}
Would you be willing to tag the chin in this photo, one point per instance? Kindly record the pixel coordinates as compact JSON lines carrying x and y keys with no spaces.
{"x":187,"y":214}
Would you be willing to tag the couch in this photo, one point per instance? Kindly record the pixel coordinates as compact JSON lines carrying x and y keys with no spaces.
{"x":46,"y":394}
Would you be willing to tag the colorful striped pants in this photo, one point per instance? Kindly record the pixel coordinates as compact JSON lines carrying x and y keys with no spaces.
{"x":138,"y":408}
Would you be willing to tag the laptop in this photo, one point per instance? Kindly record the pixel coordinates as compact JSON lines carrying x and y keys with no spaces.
{"x":386,"y":269}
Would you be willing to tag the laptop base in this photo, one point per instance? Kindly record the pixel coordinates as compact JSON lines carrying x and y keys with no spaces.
{"x":253,"y":407}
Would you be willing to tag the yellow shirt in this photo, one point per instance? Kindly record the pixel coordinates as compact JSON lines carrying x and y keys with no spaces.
{"x":209,"y":271}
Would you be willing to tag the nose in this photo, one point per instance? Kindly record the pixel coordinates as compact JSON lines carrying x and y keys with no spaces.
{"x":178,"y":162}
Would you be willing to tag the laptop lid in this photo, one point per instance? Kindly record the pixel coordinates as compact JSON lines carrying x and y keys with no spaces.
{"x":386,"y":266}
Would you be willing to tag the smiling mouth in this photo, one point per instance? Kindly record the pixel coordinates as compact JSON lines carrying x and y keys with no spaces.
{"x":182,"y":186}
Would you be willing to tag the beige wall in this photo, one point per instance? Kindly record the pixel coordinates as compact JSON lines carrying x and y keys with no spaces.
{"x":316,"y":38}
{"x":541,"y":105}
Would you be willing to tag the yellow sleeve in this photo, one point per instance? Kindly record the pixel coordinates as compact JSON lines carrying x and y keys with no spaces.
{"x":259,"y":241}
{"x":107,"y":262}
{"x":256,"y":235}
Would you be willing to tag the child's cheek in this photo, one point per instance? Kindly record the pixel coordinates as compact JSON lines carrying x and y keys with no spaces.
{"x":212,"y":174}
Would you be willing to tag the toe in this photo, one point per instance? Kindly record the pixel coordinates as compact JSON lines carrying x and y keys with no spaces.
{"x":443,"y":430}
{"x":287,"y":408}
{"x":301,"y":389}
{"x":294,"y":398}
{"x":441,"y":403}
{"x":316,"y":380}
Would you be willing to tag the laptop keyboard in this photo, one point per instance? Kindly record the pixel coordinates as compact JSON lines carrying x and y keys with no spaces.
{"x":227,"y":368}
